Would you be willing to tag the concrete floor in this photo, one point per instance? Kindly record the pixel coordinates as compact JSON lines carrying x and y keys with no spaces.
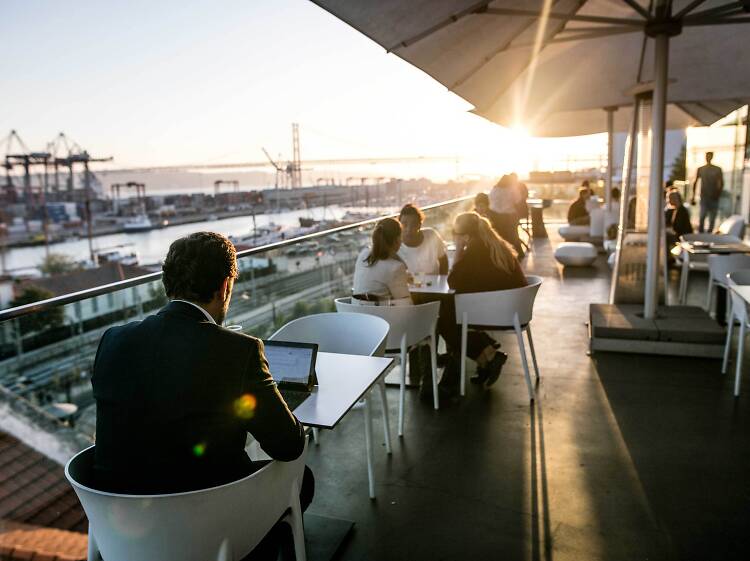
{"x":622,"y":457}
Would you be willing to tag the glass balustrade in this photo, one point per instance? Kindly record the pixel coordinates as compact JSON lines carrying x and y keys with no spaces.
{"x":46,"y":356}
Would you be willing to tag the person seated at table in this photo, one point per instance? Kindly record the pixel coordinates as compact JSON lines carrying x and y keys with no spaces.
{"x":578,"y":214}
{"x":379,"y":273}
{"x":177,"y":394}
{"x":422,"y":249}
{"x":505,"y":199}
{"x":676,"y":218}
{"x":484,"y":263}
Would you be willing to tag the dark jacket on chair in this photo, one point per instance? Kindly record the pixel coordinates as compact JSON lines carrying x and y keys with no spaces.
{"x":176,"y":396}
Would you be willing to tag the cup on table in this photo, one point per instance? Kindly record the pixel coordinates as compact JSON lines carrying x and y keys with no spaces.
{"x":419,"y":279}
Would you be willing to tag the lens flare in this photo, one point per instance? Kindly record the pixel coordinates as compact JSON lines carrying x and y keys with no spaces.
{"x":244,"y":406}
{"x":199,"y":449}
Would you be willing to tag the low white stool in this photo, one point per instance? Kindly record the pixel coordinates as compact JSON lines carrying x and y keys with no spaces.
{"x":573,"y":233}
{"x":575,"y":254}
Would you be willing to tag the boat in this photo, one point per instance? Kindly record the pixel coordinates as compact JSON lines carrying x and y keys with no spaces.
{"x":125,"y":254}
{"x":138,"y":223}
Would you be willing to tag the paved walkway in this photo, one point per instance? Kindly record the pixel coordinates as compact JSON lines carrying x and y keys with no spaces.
{"x":623,"y":457}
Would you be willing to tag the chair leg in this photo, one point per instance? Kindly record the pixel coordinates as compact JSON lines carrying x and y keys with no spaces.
{"x":524,"y":360}
{"x":533,"y":353}
{"x":225,"y":551}
{"x":93,"y":549}
{"x":433,"y":363}
{"x":298,"y":528}
{"x":464,"y":336}
{"x":316,"y":436}
{"x":402,"y":389}
{"x":728,"y":343}
{"x":368,"y":448}
{"x":386,"y":422}
{"x":709,"y":293}
{"x":740,"y":353}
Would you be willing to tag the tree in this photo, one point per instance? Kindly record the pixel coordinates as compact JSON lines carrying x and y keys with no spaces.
{"x":58,"y":264}
{"x":37,"y":321}
{"x":679,"y":166}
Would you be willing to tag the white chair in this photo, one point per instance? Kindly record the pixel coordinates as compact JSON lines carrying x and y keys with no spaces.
{"x":737,"y":312}
{"x":697,"y":262}
{"x":500,"y":310}
{"x":220,"y":523}
{"x":410,"y":325}
{"x":732,"y":226}
{"x":355,"y":334}
{"x":719,"y":266}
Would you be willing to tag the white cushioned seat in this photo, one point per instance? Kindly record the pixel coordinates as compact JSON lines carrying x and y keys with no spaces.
{"x":610,"y":245}
{"x":575,"y":254}
{"x":573,"y":233}
{"x":611,"y":260}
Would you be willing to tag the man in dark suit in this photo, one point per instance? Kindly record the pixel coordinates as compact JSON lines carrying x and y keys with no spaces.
{"x":176,"y":393}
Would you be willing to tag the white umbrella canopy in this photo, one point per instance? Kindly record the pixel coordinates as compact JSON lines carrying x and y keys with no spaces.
{"x":552,"y":74}
{"x":532,"y":62}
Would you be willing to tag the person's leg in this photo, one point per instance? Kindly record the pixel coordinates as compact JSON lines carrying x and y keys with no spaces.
{"x":702,"y":217}
{"x":713,"y":209}
{"x":485,"y":351}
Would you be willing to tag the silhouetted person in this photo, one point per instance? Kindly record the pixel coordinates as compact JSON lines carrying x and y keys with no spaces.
{"x":676,"y":217}
{"x":712,"y":182}
{"x":578,"y":214}
{"x":504,"y":200}
{"x":177,"y":394}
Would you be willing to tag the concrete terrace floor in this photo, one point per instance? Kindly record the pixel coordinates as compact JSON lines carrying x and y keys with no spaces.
{"x":622,"y":456}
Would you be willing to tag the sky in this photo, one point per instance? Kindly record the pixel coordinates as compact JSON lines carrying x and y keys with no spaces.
{"x":157,"y":83}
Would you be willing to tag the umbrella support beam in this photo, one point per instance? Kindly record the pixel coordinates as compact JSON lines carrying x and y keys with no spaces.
{"x":610,"y":155}
{"x":655,"y":199}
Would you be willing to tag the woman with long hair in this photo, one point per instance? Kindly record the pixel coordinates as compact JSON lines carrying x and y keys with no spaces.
{"x":484,"y":262}
{"x":379,"y":273}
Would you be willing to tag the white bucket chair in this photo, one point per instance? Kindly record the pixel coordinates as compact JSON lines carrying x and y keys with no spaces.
{"x":738,"y":312}
{"x":719,"y":266}
{"x":410,"y":325}
{"x":730,"y":230}
{"x":355,"y":334}
{"x":496,"y":311}
{"x":221,"y":523}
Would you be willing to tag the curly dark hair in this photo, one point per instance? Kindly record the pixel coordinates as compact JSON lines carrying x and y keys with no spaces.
{"x":197,"y":264}
{"x":411,"y":209}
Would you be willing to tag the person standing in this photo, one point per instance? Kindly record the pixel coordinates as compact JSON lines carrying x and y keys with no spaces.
{"x":712,"y":183}
{"x":504,"y":200}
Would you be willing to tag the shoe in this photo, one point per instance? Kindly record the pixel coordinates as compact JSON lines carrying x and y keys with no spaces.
{"x":494,"y":368}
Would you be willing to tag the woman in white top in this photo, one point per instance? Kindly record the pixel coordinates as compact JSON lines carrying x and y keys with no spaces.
{"x":379,"y":273}
{"x":422,"y":249}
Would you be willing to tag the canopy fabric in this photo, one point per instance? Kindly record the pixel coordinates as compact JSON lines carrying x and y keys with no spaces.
{"x":484,"y":52}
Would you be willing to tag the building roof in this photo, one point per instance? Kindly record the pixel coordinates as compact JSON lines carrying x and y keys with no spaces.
{"x":87,"y":278}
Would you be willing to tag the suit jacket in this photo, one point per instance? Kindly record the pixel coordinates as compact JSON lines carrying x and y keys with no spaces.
{"x":176,"y":396}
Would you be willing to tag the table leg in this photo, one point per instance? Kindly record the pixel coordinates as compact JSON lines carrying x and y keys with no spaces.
{"x":684,"y":277}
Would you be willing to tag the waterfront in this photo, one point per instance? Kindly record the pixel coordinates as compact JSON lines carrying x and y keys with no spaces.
{"x":153,"y":245}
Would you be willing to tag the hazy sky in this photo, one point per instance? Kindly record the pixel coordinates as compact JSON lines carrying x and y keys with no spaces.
{"x":162,"y":82}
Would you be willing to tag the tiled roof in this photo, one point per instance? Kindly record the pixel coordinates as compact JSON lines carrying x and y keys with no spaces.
{"x":33,"y":489}
{"x":23,"y":542}
{"x":87,"y":278}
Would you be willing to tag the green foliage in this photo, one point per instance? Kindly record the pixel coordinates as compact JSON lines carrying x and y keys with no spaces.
{"x":41,"y":320}
{"x":679,"y":166}
{"x":58,"y":264}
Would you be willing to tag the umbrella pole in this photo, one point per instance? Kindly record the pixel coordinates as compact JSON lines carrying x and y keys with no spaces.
{"x":610,"y":155}
{"x":655,"y":199}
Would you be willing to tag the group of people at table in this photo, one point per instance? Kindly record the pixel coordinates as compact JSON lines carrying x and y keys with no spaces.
{"x":177,"y":393}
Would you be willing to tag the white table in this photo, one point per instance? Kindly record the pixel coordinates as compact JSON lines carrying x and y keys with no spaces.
{"x":432,"y":284}
{"x":342,"y":381}
{"x":704,"y":248}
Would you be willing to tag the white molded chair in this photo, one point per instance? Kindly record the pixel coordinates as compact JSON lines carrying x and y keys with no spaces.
{"x":221,"y":523}
{"x":732,"y":226}
{"x":697,"y":262}
{"x":410,"y":325}
{"x":355,"y":334}
{"x":737,"y":312}
{"x":719,"y":267}
{"x":500,"y":310}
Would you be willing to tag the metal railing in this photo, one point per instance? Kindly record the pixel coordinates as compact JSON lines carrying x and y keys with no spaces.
{"x":44,"y":305}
